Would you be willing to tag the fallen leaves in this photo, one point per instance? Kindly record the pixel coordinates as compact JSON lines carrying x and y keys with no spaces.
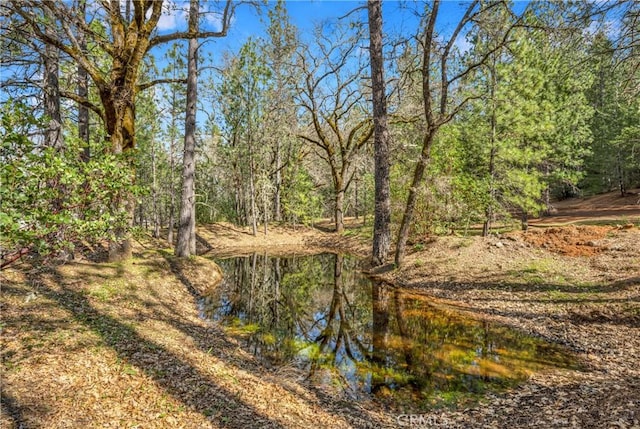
{"x":92,"y":351}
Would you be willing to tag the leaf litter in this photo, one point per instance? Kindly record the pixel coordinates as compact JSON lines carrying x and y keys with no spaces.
{"x":121,"y":345}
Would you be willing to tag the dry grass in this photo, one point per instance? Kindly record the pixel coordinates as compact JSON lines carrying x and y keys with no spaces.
{"x":121,"y":345}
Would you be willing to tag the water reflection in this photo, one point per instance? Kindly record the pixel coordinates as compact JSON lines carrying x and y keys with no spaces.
{"x":318,"y":313}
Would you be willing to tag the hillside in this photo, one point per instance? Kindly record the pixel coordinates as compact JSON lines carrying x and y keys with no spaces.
{"x":598,"y":208}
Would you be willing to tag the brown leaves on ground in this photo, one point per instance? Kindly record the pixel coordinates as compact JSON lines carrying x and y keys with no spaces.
{"x":197,"y":274}
{"x":588,"y":302}
{"x":230,"y":240}
{"x":121,"y":345}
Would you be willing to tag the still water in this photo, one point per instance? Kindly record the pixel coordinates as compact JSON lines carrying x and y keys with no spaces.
{"x":346,"y":332}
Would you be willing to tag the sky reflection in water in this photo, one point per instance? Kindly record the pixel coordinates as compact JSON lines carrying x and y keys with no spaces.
{"x":320,"y":314}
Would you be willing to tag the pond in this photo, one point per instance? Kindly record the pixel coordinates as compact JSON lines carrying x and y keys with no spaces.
{"x":365,"y":338}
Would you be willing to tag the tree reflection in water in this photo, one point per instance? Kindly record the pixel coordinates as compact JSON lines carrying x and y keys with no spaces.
{"x":319,"y":314}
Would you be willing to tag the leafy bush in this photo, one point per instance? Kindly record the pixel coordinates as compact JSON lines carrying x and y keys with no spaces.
{"x":51,"y":200}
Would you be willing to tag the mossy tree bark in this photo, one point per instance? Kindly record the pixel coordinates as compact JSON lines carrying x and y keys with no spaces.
{"x":126,"y":41}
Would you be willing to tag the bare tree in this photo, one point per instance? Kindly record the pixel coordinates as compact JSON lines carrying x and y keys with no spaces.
{"x":334,"y":101}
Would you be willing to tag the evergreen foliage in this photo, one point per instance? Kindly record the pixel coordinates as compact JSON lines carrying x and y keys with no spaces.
{"x":52,"y":201}
{"x":489,"y":121}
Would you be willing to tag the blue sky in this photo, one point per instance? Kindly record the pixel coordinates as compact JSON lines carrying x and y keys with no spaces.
{"x":399,"y":17}
{"x":304,"y":14}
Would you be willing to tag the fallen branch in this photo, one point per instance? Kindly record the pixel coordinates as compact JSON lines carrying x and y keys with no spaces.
{"x":14,"y":257}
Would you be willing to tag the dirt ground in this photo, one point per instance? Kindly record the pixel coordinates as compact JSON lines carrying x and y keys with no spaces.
{"x":224,"y":239}
{"x":121,"y":345}
{"x":578,"y":286}
{"x":600,"y":208}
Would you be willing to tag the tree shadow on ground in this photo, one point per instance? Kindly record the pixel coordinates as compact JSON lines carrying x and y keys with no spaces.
{"x":553,"y":294}
{"x":155,"y":361}
{"x":489,"y":284}
{"x":9,"y":408}
{"x":204,"y":246}
{"x":199,"y":390}
{"x":356,"y":415}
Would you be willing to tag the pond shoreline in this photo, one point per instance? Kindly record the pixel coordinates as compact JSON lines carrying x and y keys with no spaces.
{"x":122,"y":344}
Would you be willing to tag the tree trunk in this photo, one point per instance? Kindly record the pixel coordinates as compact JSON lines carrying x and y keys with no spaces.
{"x":172,"y":192}
{"x":172,"y":161}
{"x":239,"y":197}
{"x":620,"y":168}
{"x":524,"y":221}
{"x":277,"y":211}
{"x":120,"y":124}
{"x":53,"y":136}
{"x":355,"y":197}
{"x":486,"y":227}
{"x":121,"y":249}
{"x":265,"y":206}
{"x":186,"y":231}
{"x":364,"y":211}
{"x":154,"y":192}
{"x":407,"y":217}
{"x":339,"y":211}
{"x":192,"y":235}
{"x":83,"y":92}
{"x":382,"y":214}
{"x":427,"y":141}
{"x":120,"y":116}
{"x":53,"y":132}
{"x":252,"y":196}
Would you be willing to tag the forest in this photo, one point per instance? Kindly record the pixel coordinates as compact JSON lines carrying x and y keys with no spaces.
{"x":144,"y":143}
{"x":488,"y":120}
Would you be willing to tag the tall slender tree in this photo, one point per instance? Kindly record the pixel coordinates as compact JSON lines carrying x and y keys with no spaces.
{"x":83,"y":88}
{"x":278,"y":52}
{"x":186,"y":244}
{"x":175,"y":96}
{"x":51,"y":90}
{"x":382,"y":214}
{"x":245,"y":99}
{"x":442,"y":91}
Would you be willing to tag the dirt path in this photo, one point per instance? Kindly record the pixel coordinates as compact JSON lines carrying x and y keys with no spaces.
{"x":609,"y":207}
{"x":121,"y":345}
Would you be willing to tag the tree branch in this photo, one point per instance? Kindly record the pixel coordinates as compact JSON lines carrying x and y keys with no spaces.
{"x":147,"y":85}
{"x":83,"y":102}
{"x":185,"y":35}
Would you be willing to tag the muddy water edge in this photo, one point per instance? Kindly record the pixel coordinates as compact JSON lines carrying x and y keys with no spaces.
{"x":363,"y":339}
